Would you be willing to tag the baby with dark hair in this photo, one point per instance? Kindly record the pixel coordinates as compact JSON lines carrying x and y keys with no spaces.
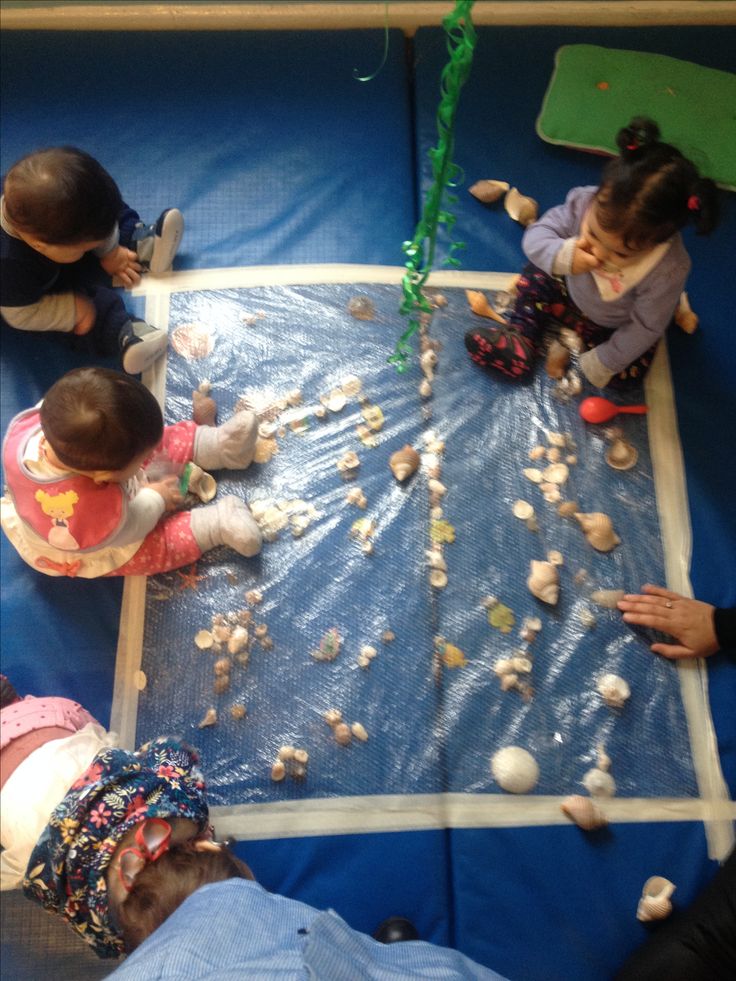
{"x":81,"y":499}
{"x":60,"y":209}
{"x":608,"y":264}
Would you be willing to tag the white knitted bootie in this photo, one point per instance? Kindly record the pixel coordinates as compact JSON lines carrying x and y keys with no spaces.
{"x":229,"y":522}
{"x":230,"y":446}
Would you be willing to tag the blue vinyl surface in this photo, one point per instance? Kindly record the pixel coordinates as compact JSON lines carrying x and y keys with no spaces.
{"x":277,"y":155}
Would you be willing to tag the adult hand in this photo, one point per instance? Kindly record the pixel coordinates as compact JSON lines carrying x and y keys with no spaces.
{"x":84,"y":314}
{"x":168,"y":488}
{"x":122,"y":264}
{"x":687,"y":621}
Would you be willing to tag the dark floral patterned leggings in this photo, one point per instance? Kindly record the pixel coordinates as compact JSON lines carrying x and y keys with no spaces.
{"x":542,"y":301}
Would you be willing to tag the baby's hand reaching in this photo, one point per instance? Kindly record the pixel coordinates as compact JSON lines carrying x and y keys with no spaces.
{"x":168,"y":488}
{"x":583,"y":259}
{"x":123,"y":265}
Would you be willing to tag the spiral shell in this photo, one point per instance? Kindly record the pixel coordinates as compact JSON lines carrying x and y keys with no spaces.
{"x":584,"y":812}
{"x":404,"y":462}
{"x":655,"y":899}
{"x":598,"y":529}
{"x":544,"y":582}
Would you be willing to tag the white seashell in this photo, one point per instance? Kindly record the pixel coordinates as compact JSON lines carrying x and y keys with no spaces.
{"x":509,"y":681}
{"x":438,"y":578}
{"x":544,"y":582}
{"x":504,"y":666}
{"x":521,"y":208}
{"x":489,"y":191}
{"x":599,"y":783}
{"x":598,"y":529}
{"x":607,"y":598}
{"x":356,"y":496}
{"x":301,"y":756}
{"x":210,"y":718}
{"x":556,"y":439}
{"x":621,"y":455}
{"x":363,"y":661}
{"x":425,"y":388}
{"x":428,"y":362}
{"x":348,"y":461}
{"x":359,"y":731}
{"x":523,"y":510}
{"x":351,"y":385}
{"x":368,"y":652}
{"x":435,"y":559}
{"x":587,"y":618}
{"x":655,"y":899}
{"x":238,"y":639}
{"x":556,"y":473}
{"x":332,"y":717}
{"x":614,"y":690}
{"x":551,"y":492}
{"x":204,"y":639}
{"x":335,"y":401}
{"x":531,"y":473}
{"x":521,"y":664}
{"x":532,"y":623}
{"x":555,"y":557}
{"x":514,"y":769}
{"x":404,"y":462}
{"x":286,"y":753}
{"x":584,"y":812}
{"x":278,"y":771}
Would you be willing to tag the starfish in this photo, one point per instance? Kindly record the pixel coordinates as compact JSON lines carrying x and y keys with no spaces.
{"x":189,"y":579}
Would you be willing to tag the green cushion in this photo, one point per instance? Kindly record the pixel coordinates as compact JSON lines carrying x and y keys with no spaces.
{"x":594,"y":91}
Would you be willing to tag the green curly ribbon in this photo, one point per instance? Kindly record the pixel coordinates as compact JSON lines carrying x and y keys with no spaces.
{"x":461,"y":41}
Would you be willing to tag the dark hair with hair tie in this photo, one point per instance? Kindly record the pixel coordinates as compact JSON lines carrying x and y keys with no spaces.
{"x":651,"y":190}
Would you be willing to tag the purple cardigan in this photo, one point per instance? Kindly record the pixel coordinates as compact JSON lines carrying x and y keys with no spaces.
{"x":641,"y":315}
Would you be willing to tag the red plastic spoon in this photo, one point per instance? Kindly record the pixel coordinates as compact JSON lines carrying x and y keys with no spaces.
{"x":596,"y":409}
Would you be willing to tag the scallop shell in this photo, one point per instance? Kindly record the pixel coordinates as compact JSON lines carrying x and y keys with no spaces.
{"x":361,"y":307}
{"x":514,"y":769}
{"x":520,"y":207}
{"x":621,"y":455}
{"x":489,"y":191}
{"x":567,"y":509}
{"x":556,"y":473}
{"x":531,"y":473}
{"x":238,"y":712}
{"x":193,"y":341}
{"x":607,"y":598}
{"x":655,"y":899}
{"x":599,"y":783}
{"x":544,"y":582}
{"x":356,"y":496}
{"x":404,"y":462}
{"x":301,"y":756}
{"x":222,"y":666}
{"x":335,"y":401}
{"x":537,"y":452}
{"x":584,"y":812}
{"x":614,"y":690}
{"x":598,"y":529}
{"x":523,"y":510}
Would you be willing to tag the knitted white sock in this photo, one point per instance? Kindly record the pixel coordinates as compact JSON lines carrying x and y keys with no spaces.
{"x":230,"y":446}
{"x":229,"y":522}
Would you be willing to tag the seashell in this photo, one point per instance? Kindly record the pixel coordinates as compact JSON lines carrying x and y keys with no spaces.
{"x":363,"y":528}
{"x":504,"y":666}
{"x":260,"y":629}
{"x":265,"y":449}
{"x":204,"y":408}
{"x":342,"y":733}
{"x":550,"y":492}
{"x":301,"y":756}
{"x":531,"y":473}
{"x":584,"y":812}
{"x":478,"y":303}
{"x":523,"y":510}
{"x":599,"y":783}
{"x":361,"y":307}
{"x":532,"y":523}
{"x":367,"y":547}
{"x":604,"y":760}
{"x":567,"y":509}
{"x":204,"y":639}
{"x":192,"y":341}
{"x":356,"y":496}
{"x":427,"y":362}
{"x":210,"y":718}
{"x":685,"y":317}
{"x":278,"y":771}
{"x":537,"y":452}
{"x":571,"y":458}
{"x":614,"y":690}
{"x":332,"y":717}
{"x":509,"y":681}
{"x":555,"y":557}
{"x":267,"y":643}
{"x":254,"y":596}
{"x":521,"y":664}
{"x":359,"y":731}
{"x":572,"y":340}
{"x":587,"y":618}
{"x":655,"y":899}
{"x":140,"y":680}
{"x":351,"y":385}
{"x":514,"y":769}
{"x":558,"y":358}
{"x":438,"y":578}
{"x":368,"y":651}
{"x":388,"y":636}
{"x":222,"y":666}
{"x":200,"y":482}
{"x":404,"y":462}
{"x":373,"y":417}
{"x":598,"y":529}
{"x":608,"y":598}
{"x":621,"y":455}
{"x":435,"y":559}
{"x":521,"y":208}
{"x":335,"y":401}
{"x":329,"y":646}
{"x":238,"y":712}
{"x":556,"y":439}
{"x":221,"y":684}
{"x":436,"y":487}
{"x":544,"y":582}
{"x":553,"y":454}
{"x":238,"y":639}
{"x":439,"y":300}
{"x":489,"y":191}
{"x":348,"y":462}
{"x":294,"y":398}
{"x":425,"y":388}
{"x":556,"y":473}
{"x":298,"y":770}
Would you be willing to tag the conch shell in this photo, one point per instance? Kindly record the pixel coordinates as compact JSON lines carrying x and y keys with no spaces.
{"x":655,"y":899}
{"x":489,"y":191}
{"x":478,"y":303}
{"x":598,"y":529}
{"x":584,"y":812}
{"x":544,"y":581}
{"x":404,"y":462}
{"x":621,"y":455}
{"x":521,"y":208}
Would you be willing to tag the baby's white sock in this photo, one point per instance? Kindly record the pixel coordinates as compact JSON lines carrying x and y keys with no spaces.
{"x":229,"y":522}
{"x":230,"y":446}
